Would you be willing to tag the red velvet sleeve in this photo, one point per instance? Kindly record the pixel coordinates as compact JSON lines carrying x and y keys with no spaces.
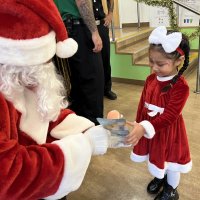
{"x":61,"y":117}
{"x":178,"y":97}
{"x":27,"y":172}
{"x":141,"y":102}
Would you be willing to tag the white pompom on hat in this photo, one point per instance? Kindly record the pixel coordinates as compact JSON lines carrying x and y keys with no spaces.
{"x":32,"y":32}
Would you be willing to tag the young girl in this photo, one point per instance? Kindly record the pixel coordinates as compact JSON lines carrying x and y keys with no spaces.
{"x":159,"y":116}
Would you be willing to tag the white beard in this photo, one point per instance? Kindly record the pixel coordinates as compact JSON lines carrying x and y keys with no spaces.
{"x":43,"y":80}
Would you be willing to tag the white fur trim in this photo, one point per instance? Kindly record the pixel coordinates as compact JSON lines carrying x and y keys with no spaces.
{"x":31,"y":122}
{"x":77,"y":154}
{"x":66,"y":48}
{"x":167,"y":78}
{"x":98,"y":137}
{"x":72,"y":124}
{"x":180,"y":168}
{"x":27,"y":52}
{"x":136,"y":158}
{"x":150,"y":131}
{"x":157,"y":172}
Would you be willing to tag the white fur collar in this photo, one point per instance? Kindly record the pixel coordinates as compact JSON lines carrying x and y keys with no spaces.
{"x":31,"y":122}
{"x":167,"y":78}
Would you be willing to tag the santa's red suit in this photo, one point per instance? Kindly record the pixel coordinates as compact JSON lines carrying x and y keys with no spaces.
{"x":32,"y":168}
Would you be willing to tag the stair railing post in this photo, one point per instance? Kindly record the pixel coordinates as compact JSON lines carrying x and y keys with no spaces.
{"x":112,"y":30}
{"x":138,"y":14}
{"x":198,"y":70}
{"x":177,"y":13}
{"x":198,"y":65}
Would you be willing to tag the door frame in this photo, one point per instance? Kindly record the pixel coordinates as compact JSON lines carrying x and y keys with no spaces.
{"x":116,"y":18}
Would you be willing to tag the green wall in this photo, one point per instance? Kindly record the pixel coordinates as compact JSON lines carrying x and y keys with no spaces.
{"x":194,"y":44}
{"x":122,"y":67}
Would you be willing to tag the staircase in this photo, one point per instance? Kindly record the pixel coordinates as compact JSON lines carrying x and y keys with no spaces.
{"x":136,"y":45}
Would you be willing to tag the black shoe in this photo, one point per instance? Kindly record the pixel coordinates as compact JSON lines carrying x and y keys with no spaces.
{"x":155,"y":185}
{"x":110,"y":95}
{"x":64,"y":198}
{"x":168,"y":193}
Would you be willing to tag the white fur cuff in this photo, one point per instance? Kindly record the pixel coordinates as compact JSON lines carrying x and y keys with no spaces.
{"x":150,"y":131}
{"x":77,"y":153}
{"x":72,"y":124}
{"x":98,"y":137}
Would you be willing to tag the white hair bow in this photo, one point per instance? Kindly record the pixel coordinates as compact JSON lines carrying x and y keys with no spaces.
{"x":169,"y":42}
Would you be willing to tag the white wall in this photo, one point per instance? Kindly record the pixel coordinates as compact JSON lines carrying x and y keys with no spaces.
{"x":187,"y":18}
{"x":128,"y":12}
{"x":155,"y":15}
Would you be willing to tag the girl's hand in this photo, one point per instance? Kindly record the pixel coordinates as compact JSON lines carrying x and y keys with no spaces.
{"x":135,"y":135}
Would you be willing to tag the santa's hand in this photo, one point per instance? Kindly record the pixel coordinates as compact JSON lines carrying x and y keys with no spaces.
{"x":98,"y":138}
{"x":117,"y":131}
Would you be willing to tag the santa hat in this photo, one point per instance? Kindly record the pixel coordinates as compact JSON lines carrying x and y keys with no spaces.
{"x":29,"y":30}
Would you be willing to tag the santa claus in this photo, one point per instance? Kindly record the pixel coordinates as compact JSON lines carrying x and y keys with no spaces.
{"x":43,"y":151}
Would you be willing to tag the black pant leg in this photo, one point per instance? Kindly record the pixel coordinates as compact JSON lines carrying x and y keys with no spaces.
{"x":105,"y":52}
{"x":87,"y":79}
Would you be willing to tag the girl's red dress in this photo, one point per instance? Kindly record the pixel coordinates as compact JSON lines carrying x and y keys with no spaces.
{"x":168,"y":149}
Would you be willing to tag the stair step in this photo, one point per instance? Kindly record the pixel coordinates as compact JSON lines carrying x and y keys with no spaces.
{"x":137,"y":50}
{"x":193,"y":63}
{"x":132,"y":39}
{"x":144,"y":61}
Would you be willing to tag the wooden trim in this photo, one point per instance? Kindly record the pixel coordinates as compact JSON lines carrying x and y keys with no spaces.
{"x":128,"y":81}
{"x":115,"y":12}
{"x":142,"y":24}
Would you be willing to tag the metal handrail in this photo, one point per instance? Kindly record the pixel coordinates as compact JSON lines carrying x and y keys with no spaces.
{"x":198,"y":67}
{"x":198,"y":71}
{"x":112,"y":30}
{"x":138,"y":14}
{"x":187,"y":7}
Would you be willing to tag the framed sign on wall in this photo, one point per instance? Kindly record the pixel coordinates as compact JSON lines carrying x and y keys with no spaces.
{"x":159,"y":16}
{"x":187,"y":18}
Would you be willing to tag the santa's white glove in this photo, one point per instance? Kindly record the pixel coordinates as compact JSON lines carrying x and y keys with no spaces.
{"x":98,"y":138}
{"x":101,"y":139}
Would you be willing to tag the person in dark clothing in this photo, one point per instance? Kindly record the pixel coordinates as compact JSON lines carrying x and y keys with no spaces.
{"x":86,"y":67}
{"x":103,"y":21}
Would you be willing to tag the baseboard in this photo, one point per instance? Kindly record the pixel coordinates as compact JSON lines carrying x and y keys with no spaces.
{"x":142,"y":24}
{"x":128,"y":81}
{"x":192,"y":67}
